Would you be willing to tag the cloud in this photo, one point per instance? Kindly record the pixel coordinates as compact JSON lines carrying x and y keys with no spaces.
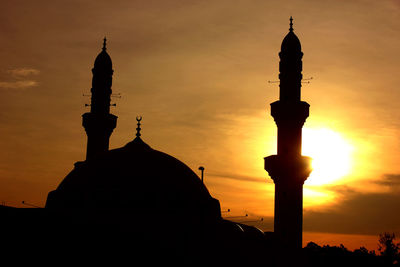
{"x":18,"y":84}
{"x":20,"y":78}
{"x":391,"y":180}
{"x":358,"y":212}
{"x":23,"y":72}
{"x":239,"y":177}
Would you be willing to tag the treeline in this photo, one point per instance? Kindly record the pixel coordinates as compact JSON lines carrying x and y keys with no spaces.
{"x":388,"y":254}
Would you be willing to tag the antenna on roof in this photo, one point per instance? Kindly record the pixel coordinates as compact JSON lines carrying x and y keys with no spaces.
{"x":201,"y":168}
{"x":28,"y":204}
{"x":118,"y":95}
{"x":307,"y":80}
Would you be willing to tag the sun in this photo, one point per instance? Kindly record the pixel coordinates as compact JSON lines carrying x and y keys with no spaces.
{"x":331,"y":153}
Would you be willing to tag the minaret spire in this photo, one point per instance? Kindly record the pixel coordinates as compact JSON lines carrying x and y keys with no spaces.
{"x":138,"y":119}
{"x":104,"y":44}
{"x":99,"y":123}
{"x":289,"y":169}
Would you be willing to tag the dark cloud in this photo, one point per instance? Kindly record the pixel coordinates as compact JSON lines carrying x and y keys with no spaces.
{"x":391,"y":180}
{"x":358,"y":212}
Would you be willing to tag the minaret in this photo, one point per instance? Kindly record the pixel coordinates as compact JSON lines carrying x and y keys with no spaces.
{"x":99,"y":123}
{"x":289,"y":169}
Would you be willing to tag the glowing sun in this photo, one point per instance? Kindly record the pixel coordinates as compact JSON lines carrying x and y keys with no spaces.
{"x":331,"y":155}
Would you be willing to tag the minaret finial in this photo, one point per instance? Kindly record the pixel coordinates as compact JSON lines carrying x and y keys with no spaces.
{"x":104,"y":44}
{"x":291,"y":24}
{"x":138,"y":119}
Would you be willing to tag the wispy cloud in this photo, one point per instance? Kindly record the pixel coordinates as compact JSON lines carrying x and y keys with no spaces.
{"x":23,"y":72}
{"x":18,"y":84}
{"x":20,"y":78}
{"x":239,"y":177}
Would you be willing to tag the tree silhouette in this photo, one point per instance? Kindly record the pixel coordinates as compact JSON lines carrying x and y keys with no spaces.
{"x":389,"y":250}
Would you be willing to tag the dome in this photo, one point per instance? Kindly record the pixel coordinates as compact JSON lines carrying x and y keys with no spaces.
{"x":103,"y":61}
{"x":291,"y":43}
{"x":151,"y":201}
{"x":137,"y":179}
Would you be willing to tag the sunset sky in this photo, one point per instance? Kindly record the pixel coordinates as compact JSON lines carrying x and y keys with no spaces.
{"x":198,"y":72}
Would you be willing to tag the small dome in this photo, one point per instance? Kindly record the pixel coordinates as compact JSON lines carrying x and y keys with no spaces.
{"x":103,"y":61}
{"x":291,"y":43}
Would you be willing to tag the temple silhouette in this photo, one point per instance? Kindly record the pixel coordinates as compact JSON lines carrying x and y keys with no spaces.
{"x":136,"y":202}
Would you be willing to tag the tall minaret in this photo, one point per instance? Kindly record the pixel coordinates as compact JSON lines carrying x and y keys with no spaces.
{"x":99,"y":123}
{"x":289,"y":169}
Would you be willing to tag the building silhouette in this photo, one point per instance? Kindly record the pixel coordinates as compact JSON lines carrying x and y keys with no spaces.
{"x":135,"y":202}
{"x":146,"y":194}
{"x":289,"y":169}
{"x":99,"y":123}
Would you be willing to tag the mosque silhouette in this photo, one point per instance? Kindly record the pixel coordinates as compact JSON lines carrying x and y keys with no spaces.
{"x":135,"y":203}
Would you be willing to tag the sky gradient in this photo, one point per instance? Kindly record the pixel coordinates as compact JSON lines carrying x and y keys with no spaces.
{"x":198,"y":72}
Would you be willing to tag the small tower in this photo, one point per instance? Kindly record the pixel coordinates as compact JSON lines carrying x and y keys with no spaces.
{"x":289,"y":169}
{"x":99,"y":123}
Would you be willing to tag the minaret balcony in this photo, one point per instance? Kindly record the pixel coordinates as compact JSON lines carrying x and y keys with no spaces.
{"x":290,"y":111}
{"x":287,"y":168}
{"x":99,"y":122}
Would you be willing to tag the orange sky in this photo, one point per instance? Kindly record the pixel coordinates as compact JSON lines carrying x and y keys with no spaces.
{"x":197,"y":72}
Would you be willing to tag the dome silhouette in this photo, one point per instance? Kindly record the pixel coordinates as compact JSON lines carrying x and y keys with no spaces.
{"x":139,"y":180}
{"x":103,"y":61}
{"x":291,"y":43}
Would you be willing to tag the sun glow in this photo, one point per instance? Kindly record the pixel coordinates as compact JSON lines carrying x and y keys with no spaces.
{"x":331,"y":153}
